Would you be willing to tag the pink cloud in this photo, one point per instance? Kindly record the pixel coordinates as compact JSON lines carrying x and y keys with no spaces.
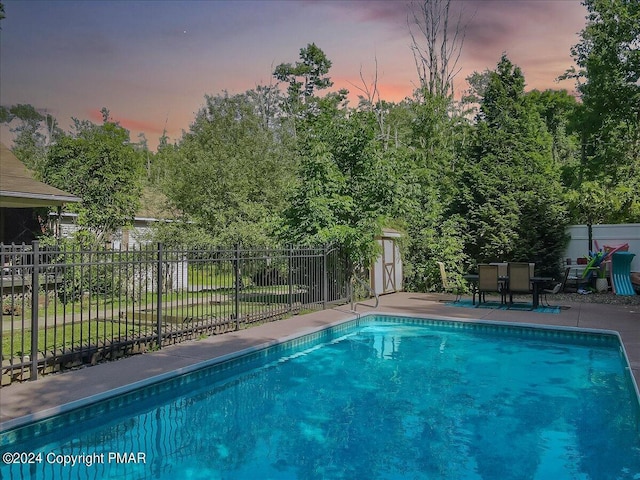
{"x":393,"y":92}
{"x":95,"y":115}
{"x":141,"y":125}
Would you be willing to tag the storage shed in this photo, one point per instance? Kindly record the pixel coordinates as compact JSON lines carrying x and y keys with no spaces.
{"x":386,"y":272}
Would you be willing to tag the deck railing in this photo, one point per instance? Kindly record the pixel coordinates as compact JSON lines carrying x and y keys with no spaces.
{"x":64,"y":308}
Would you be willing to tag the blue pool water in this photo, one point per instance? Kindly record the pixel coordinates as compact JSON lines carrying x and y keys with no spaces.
{"x":378,"y":398}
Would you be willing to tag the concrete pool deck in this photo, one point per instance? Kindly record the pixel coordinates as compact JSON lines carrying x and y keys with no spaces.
{"x":60,"y":392}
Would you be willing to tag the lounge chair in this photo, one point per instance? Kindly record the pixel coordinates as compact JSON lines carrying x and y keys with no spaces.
{"x":621,"y":273}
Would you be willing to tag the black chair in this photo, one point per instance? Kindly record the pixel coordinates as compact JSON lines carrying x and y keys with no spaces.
{"x":551,"y":291}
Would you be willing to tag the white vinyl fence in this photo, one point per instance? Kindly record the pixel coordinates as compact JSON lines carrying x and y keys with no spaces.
{"x":611,"y":235}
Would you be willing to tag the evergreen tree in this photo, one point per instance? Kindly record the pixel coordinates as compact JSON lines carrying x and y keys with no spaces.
{"x":432,"y":153}
{"x":510,"y":190}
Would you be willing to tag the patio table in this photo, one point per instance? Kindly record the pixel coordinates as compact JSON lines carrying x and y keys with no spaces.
{"x":537,"y":283}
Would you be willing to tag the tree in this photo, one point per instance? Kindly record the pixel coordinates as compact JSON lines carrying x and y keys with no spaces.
{"x":559,"y":110}
{"x":307,"y":75}
{"x":34,"y":131}
{"x":432,"y":154}
{"x":333,"y":203}
{"x":332,"y":150}
{"x":434,"y":139}
{"x":437,"y":49}
{"x":229,"y":173}
{"x":510,"y":192}
{"x":351,"y":182}
{"x":98,"y":164}
{"x":608,"y":58}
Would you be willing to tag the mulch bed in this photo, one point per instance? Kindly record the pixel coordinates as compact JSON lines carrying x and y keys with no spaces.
{"x":606,"y":298}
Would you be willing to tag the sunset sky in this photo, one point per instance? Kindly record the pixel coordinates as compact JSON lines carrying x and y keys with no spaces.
{"x":152,"y":62}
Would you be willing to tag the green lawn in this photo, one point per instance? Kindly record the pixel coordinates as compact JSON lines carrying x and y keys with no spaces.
{"x":64,"y":337}
{"x":213,"y":276}
{"x":69,"y":334}
{"x":90,"y":319}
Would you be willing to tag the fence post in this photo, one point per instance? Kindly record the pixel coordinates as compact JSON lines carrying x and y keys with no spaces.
{"x":35,"y":283}
{"x":159,"y":277}
{"x":324,"y":277}
{"x":237,"y":273}
{"x":290,"y":276}
{"x":350,"y":294}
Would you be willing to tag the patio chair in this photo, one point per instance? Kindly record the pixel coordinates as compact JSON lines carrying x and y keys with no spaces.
{"x":565,"y":279}
{"x":502,"y":268}
{"x":488,"y":282}
{"x":573,"y":280}
{"x":551,"y":291}
{"x":446,"y":285}
{"x":519,"y":279}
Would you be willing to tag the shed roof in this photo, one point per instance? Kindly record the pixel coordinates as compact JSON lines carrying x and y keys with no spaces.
{"x":19,"y":188}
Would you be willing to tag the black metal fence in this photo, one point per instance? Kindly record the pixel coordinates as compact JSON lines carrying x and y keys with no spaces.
{"x":65,"y":307}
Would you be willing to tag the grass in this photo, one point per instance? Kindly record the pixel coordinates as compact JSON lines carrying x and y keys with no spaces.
{"x":210,"y":279}
{"x":65,"y":337}
{"x":105,"y":305}
{"x":73,"y":331}
{"x":213,"y":276}
{"x":91,"y":318}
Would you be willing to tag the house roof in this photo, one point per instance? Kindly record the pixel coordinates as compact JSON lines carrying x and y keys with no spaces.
{"x":19,"y":188}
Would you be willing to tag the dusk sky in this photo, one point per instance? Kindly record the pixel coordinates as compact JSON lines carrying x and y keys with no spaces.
{"x":152,"y":62}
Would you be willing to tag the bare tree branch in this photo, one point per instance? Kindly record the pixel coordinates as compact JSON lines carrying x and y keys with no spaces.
{"x":372,"y":101}
{"x":435,"y":45}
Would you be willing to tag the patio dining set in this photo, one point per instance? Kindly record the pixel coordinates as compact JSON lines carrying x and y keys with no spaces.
{"x":508,"y":279}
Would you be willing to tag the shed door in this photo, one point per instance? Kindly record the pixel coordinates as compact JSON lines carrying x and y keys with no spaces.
{"x":388,"y":266}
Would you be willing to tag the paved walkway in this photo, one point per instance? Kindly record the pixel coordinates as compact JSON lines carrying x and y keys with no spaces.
{"x":56,"y":393}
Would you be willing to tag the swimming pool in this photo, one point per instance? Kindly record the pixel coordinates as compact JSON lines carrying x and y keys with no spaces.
{"x":378,"y":397}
